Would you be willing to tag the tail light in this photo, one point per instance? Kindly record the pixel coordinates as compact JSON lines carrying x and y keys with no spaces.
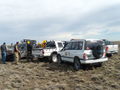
{"x":104,"y":54}
{"x":85,"y":56}
{"x":106,"y":49}
{"x":42,"y":51}
{"x":88,"y":48}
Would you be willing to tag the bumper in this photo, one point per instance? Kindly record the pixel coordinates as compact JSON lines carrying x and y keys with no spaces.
{"x":93,"y":61}
{"x":112,"y":52}
{"x":37,"y":56}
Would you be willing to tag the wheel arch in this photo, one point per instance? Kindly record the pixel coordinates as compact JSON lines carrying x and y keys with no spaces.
{"x":53,"y":53}
{"x":76,"y":57}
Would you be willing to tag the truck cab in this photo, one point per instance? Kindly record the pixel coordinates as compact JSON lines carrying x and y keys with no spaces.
{"x":52,"y":48}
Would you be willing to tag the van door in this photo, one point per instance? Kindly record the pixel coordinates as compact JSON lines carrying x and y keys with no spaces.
{"x":66,"y":52}
{"x":76,"y":50}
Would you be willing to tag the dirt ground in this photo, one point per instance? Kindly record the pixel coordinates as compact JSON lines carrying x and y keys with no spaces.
{"x":42,"y":75}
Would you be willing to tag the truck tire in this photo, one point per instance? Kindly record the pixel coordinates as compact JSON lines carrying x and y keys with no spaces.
{"x":98,"y":64}
{"x":54,"y":58}
{"x":59,"y":59}
{"x":109,"y":55}
{"x":77,"y":64}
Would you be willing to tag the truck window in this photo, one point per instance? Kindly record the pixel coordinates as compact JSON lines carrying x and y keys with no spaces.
{"x":75,"y":46}
{"x":51,"y":45}
{"x":60,"y":45}
{"x":22,"y":46}
{"x":65,"y":43}
{"x":80,"y":47}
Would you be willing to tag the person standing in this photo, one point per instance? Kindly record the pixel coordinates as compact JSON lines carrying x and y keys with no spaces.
{"x":4,"y":53}
{"x":29,"y":51}
{"x":16,"y":53}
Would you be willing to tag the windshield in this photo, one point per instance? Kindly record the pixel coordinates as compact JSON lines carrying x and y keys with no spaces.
{"x":23,"y":46}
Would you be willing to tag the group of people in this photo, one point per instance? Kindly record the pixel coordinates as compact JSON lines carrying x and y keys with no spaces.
{"x":42,"y":45}
{"x":4,"y":51}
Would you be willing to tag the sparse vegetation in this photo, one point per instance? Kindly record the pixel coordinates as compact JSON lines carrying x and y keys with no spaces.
{"x":42,"y":75}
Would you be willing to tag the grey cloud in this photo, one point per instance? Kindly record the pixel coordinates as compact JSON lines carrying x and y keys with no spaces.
{"x":106,"y":18}
{"x":96,"y":21}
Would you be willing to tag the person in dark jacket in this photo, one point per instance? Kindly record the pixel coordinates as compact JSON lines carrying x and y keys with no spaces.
{"x":4,"y":53}
{"x":29,"y":51}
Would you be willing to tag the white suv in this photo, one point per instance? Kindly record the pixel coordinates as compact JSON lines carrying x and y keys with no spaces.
{"x":83,"y":51}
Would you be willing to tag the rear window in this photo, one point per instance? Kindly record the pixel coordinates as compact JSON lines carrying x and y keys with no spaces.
{"x":90,"y":44}
{"x":60,"y":45}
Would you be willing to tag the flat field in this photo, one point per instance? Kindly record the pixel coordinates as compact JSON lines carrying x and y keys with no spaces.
{"x":42,"y":75}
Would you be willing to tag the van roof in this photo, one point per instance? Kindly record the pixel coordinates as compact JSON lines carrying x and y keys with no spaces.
{"x":86,"y":40}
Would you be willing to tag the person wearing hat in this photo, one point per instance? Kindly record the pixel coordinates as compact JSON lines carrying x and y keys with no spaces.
{"x":38,"y":45}
{"x":29,"y":50}
{"x":4,"y":53}
{"x":16,"y":53}
{"x":44,"y":43}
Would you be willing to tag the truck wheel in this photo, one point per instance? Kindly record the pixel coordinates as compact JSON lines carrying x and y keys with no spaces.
{"x":109,"y":55}
{"x":54,"y":58}
{"x":59,"y":59}
{"x":77,"y":64}
{"x":99,"y":64}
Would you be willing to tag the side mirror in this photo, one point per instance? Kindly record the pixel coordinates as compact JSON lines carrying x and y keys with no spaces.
{"x":63,"y":49}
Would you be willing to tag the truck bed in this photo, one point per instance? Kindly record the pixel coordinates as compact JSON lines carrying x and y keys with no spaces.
{"x":37,"y":52}
{"x":112,"y":49}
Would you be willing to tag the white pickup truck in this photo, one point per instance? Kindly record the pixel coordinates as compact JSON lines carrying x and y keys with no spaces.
{"x":89,"y":51}
{"x":50,"y":51}
{"x":52,"y":48}
{"x":111,"y":48}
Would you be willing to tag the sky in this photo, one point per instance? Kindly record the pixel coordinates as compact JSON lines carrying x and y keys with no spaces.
{"x":59,"y":20}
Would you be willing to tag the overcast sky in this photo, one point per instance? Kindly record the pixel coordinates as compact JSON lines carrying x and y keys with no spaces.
{"x":59,"y":19}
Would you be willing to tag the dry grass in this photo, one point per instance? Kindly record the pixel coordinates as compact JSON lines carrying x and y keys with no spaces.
{"x":41,"y":75}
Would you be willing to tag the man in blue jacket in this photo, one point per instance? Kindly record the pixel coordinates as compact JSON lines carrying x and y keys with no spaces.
{"x":4,"y":53}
